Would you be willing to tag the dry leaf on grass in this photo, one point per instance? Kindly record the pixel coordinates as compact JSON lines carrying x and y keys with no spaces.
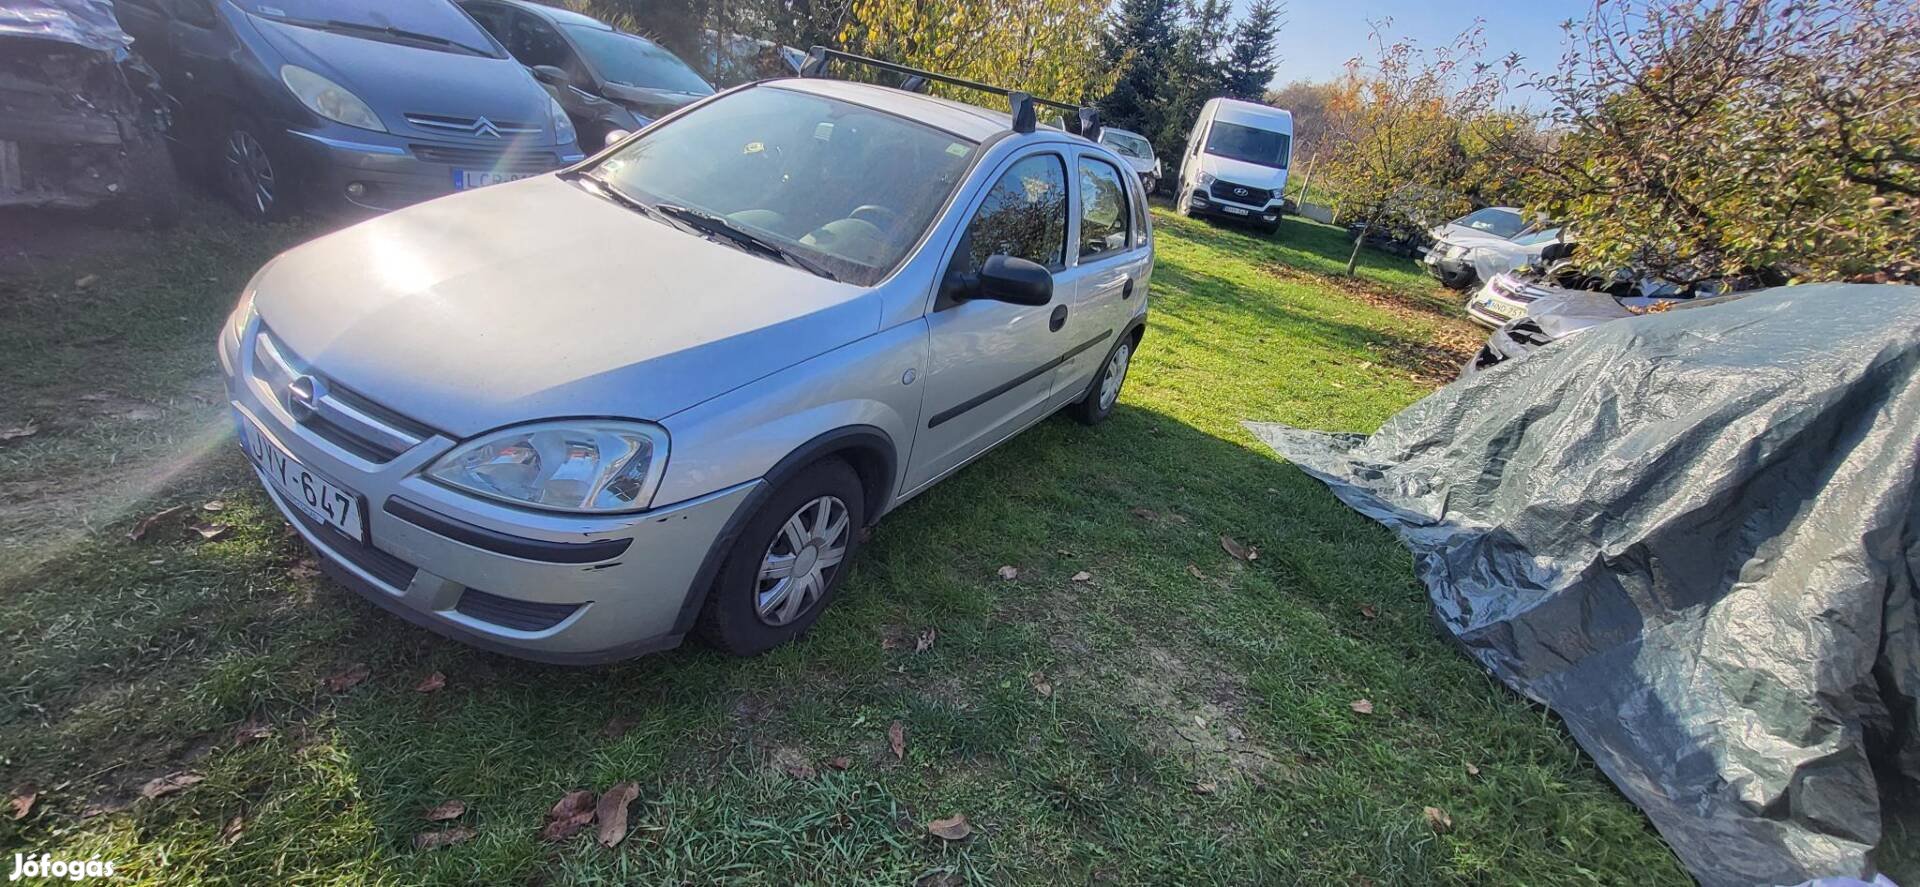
{"x":445,"y":810}
{"x":209,"y":532}
{"x":793,"y":761}
{"x":925,"y":641}
{"x":1009,"y":573}
{"x":941,"y":878}
{"x":616,"y":727}
{"x":840,"y":763}
{"x":103,"y":808}
{"x":304,"y":568}
{"x":21,"y":803}
{"x":15,"y":432}
{"x":348,"y":679}
{"x":612,"y":813}
{"x":1082,"y":576}
{"x":214,"y":506}
{"x":1438,"y":819}
{"x":1239,"y":552}
{"x":897,"y":739}
{"x":1205,"y":787}
{"x":442,"y":838}
{"x":86,"y":280}
{"x":251,"y":731}
{"x":1144,"y":513}
{"x":146,"y":524}
{"x":954,"y":828}
{"x":1041,"y":685}
{"x":431,"y":683}
{"x":169,"y":784}
{"x":1472,"y":770}
{"x":1363,"y":706}
{"x":230,"y":832}
{"x":1195,"y":572}
{"x":571,"y":814}
{"x":1369,"y":612}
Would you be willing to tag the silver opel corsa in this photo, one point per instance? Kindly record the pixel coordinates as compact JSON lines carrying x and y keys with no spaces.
{"x":577,"y":417}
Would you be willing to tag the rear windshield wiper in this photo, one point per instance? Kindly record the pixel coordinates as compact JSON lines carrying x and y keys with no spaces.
{"x":720,"y":227}
{"x":391,"y":31}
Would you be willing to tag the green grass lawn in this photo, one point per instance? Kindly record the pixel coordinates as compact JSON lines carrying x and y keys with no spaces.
{"x":1199,"y":724}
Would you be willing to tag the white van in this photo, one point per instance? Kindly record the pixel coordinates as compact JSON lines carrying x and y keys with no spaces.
{"x":1235,"y":165}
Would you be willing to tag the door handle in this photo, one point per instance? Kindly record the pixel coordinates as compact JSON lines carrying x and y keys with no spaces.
{"x":1126,"y":292}
{"x":1059,"y":318}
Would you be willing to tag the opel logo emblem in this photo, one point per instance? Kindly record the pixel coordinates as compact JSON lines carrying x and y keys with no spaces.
{"x":1239,"y":192}
{"x":303,"y":397}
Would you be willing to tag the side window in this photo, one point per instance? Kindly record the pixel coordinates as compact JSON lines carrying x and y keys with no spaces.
{"x":193,"y":12}
{"x":1140,"y":220}
{"x":1103,"y":209}
{"x":1024,"y":216}
{"x":493,"y":18}
{"x":534,"y":43}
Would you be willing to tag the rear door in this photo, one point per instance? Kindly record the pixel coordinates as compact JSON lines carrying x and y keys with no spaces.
{"x":1111,"y":263}
{"x":991,"y":364}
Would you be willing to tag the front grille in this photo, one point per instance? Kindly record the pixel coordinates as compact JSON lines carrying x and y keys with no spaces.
{"x":515,"y":614}
{"x":479,"y":127}
{"x":1224,"y":190}
{"x":344,"y":419}
{"x":372,"y":561}
{"x":502,"y":159}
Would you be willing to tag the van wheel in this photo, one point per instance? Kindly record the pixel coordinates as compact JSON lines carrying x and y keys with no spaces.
{"x":1104,"y":391}
{"x":788,"y":561}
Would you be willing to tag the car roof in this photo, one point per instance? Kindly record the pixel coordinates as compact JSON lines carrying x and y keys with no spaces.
{"x":556,"y":15}
{"x":961,"y":119}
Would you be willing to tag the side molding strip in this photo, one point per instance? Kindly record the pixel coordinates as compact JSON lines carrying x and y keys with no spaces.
{"x":954,"y":412}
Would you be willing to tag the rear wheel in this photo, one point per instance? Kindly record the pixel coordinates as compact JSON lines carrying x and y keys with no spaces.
{"x":788,"y":561}
{"x":1104,"y":392}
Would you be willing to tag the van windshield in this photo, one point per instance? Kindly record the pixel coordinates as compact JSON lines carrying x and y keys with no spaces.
{"x":1261,"y":146}
{"x":848,"y":188}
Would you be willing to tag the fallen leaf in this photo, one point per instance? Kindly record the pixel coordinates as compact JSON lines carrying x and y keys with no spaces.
{"x":925,"y":642}
{"x":1205,"y":787}
{"x":87,"y":281}
{"x":840,"y":763}
{"x":431,"y":683}
{"x":941,"y":878}
{"x":1438,"y":819}
{"x":1363,"y":706}
{"x":616,"y":727}
{"x":897,"y":739}
{"x":1369,"y":612}
{"x":1041,"y":685}
{"x":16,"y":432}
{"x":347,"y":680}
{"x":612,"y":813}
{"x":1177,"y":518}
{"x":216,"y":506}
{"x":170,"y":783}
{"x":794,"y":761}
{"x":445,"y":810}
{"x":1235,"y":734}
{"x":442,"y":838}
{"x":103,"y":808}
{"x":22,"y":801}
{"x":1009,"y":573}
{"x":209,"y":532}
{"x":1472,"y":770}
{"x":304,"y":568}
{"x":1144,"y":513}
{"x":952,"y":829}
{"x":569,"y":815}
{"x":1082,"y":576}
{"x":251,"y":731}
{"x":230,"y":832}
{"x":1195,"y":572}
{"x":890,"y":644}
{"x":1239,"y":552}
{"x":147,"y":523}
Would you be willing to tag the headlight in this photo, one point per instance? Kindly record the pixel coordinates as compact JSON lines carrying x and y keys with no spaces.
{"x":1457,"y":250}
{"x":562,"y":126}
{"x":1206,"y":178}
{"x":329,"y":99}
{"x":580,"y":465}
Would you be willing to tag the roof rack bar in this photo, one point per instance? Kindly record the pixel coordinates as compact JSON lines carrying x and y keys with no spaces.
{"x":1020,"y":103}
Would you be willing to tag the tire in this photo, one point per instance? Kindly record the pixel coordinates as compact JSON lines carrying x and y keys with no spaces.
{"x":1180,"y":204}
{"x":250,"y":175}
{"x":746,"y":615}
{"x":1149,"y":184}
{"x":1097,"y":404}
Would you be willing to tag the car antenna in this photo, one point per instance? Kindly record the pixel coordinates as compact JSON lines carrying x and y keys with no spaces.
{"x":1076,"y":119}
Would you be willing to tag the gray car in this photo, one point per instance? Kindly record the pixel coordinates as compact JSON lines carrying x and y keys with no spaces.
{"x":345,"y":104}
{"x":578,"y":417}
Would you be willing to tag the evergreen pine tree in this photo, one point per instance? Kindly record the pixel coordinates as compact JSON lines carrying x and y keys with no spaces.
{"x":1251,"y":59}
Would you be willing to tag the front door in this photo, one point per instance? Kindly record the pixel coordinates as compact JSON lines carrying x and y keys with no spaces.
{"x":991,"y":364}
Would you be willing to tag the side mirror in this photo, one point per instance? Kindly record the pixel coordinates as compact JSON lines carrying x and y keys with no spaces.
{"x":1554,"y":252}
{"x":614,"y":135}
{"x":551,"y":75}
{"x":1013,"y":280}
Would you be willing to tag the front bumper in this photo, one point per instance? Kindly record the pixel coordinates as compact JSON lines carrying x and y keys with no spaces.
{"x":378,"y":172}
{"x":1200,"y":204}
{"x":1455,"y":273}
{"x":447,"y":561}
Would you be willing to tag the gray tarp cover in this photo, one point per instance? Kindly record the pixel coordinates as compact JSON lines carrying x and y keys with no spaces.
{"x":1695,"y":537}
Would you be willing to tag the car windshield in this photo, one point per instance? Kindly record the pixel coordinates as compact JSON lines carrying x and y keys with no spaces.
{"x":1261,"y":146}
{"x":394,"y":20}
{"x":1497,"y":222}
{"x":1128,"y":144}
{"x":635,"y":61}
{"x":846,"y":187}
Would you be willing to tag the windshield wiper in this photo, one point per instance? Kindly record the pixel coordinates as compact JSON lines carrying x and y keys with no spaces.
{"x":391,"y":31}
{"x":720,"y":227}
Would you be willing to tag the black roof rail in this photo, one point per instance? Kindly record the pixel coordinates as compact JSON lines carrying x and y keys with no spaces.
{"x":1080,"y":121}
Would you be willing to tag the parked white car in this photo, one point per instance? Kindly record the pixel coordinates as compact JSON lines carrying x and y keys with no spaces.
{"x":1235,"y":165}
{"x":1138,"y":153}
{"x":576,"y":417}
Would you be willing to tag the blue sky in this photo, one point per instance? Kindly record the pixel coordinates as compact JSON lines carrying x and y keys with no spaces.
{"x":1321,"y":35}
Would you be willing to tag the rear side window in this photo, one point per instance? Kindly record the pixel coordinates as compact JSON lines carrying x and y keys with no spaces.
{"x":1103,"y":209}
{"x":1024,"y":216}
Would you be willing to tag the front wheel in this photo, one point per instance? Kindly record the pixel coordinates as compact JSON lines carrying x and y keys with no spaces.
{"x":254,"y":179}
{"x":1104,"y":392}
{"x":787,"y":563}
{"x":1149,"y":184}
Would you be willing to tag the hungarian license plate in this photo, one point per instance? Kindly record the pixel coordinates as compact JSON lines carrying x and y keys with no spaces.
{"x":476,"y":178}
{"x":317,"y":497}
{"x":1506,"y":311}
{"x":1234,"y":210}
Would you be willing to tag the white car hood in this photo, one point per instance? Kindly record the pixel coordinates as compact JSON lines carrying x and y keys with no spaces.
{"x":1241,"y":172}
{"x":1490,"y":256}
{"x":536,"y":300}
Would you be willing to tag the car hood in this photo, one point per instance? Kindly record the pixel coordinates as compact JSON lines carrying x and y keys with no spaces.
{"x":651,"y":102}
{"x":395,"y":80}
{"x":1241,"y":172}
{"x":535,"y":300}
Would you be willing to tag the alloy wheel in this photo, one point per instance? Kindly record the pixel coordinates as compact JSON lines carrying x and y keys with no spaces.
{"x":250,"y":171}
{"x":802,"y":560}
{"x":1116,"y":373}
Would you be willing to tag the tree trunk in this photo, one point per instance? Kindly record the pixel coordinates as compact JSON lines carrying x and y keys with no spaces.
{"x":1353,"y":260}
